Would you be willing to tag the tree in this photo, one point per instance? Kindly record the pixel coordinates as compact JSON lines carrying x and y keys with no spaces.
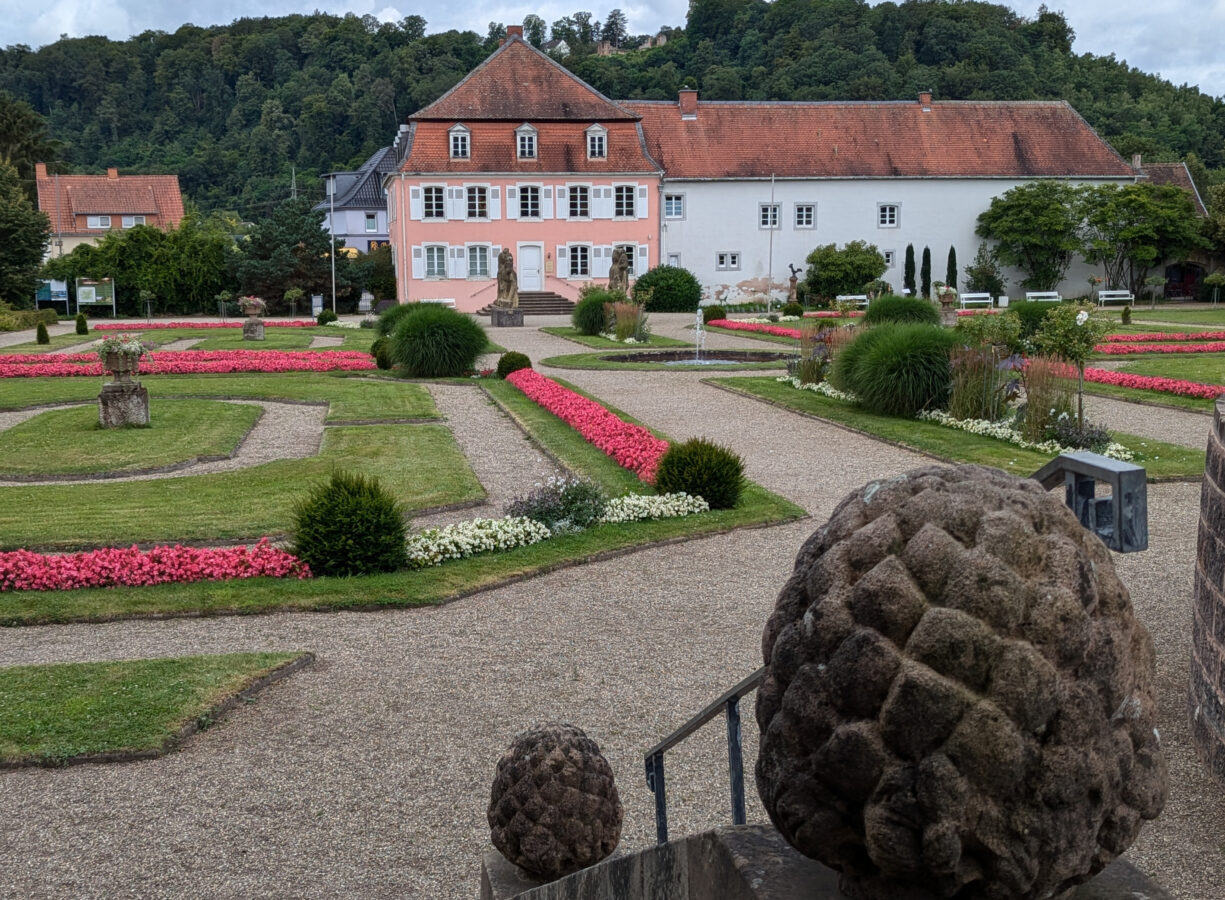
{"x":1131,"y":228}
{"x":534,"y":29}
{"x":950,"y":269}
{"x":832,"y":271}
{"x":908,"y":281}
{"x":1036,"y":228}
{"x":24,"y":234}
{"x":925,"y":272}
{"x":615,"y":28}
{"x":23,"y":140}
{"x":984,"y":275}
{"x":1071,"y":333}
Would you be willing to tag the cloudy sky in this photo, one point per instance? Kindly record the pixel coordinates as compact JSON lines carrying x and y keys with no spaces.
{"x":1178,"y":39}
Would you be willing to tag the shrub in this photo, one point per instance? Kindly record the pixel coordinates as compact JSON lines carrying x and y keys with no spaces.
{"x":512,"y":362}
{"x":576,"y":502}
{"x":1031,"y":313}
{"x":349,"y":526}
{"x":793,"y":309}
{"x":897,"y":369}
{"x":630,"y":321}
{"x":984,"y":382}
{"x":380,"y":350}
{"x":832,"y":271}
{"x":1069,"y":434}
{"x":589,"y":315}
{"x":394,"y":315}
{"x":82,"y":325}
{"x":891,"y":308}
{"x":1126,"y":319}
{"x":436,"y":342}
{"x":710,"y":313}
{"x":326,"y":316}
{"x":703,"y":469}
{"x":40,"y":334}
{"x":668,"y":289}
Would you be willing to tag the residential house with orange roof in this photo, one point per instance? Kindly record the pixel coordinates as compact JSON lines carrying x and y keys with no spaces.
{"x":82,"y":208}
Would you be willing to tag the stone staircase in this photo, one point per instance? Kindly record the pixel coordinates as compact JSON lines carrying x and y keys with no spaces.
{"x":538,"y":303}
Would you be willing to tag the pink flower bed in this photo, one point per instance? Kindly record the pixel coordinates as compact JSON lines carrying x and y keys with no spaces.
{"x":1162,"y":337}
{"x":137,"y":326}
{"x":631,"y":446}
{"x":777,"y":330}
{"x":24,"y":570}
{"x":191,"y":362}
{"x":1121,"y":349}
{"x":1154,"y":383}
{"x":979,"y":312}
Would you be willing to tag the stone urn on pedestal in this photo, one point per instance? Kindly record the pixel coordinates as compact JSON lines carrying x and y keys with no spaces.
{"x":253,"y":328}
{"x":947,"y":298}
{"x":123,"y":402}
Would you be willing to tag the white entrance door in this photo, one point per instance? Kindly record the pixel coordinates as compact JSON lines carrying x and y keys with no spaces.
{"x":530,"y":267}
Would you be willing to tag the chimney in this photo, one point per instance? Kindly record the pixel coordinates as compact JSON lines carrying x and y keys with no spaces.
{"x":1135,"y":161}
{"x":514,"y":31}
{"x":689,"y":103}
{"x":40,"y":170}
{"x":112,"y":173}
{"x":925,"y":100}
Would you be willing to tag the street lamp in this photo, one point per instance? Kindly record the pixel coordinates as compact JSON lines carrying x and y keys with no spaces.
{"x":332,"y":230}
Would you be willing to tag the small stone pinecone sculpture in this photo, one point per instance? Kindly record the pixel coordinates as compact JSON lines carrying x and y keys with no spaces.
{"x":958,"y":699}
{"x":554,"y":807}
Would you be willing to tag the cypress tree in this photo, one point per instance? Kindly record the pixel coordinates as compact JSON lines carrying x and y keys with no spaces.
{"x":950,"y":271}
{"x":908,"y":271}
{"x":82,"y":325}
{"x":40,"y":334}
{"x":925,"y":272}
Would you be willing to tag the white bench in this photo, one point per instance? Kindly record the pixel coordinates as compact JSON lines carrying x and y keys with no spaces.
{"x":984,"y":299}
{"x":1044,"y":296}
{"x":861,"y":299}
{"x":1104,"y":297}
{"x":445,"y":302}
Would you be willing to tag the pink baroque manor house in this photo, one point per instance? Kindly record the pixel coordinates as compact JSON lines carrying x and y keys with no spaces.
{"x":524,"y":155}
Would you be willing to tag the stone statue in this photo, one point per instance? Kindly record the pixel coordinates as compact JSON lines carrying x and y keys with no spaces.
{"x":619,"y":273}
{"x":792,"y":296}
{"x":554,"y":808}
{"x":958,"y":699}
{"x":508,"y":281}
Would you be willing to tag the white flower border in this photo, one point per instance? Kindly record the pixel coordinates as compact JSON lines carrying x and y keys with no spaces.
{"x":762,"y":320}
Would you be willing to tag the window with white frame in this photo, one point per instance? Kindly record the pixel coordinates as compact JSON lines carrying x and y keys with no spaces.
{"x":133,"y":221}
{"x":579,"y":196}
{"x":805,"y":215}
{"x":727,"y":260}
{"x":372,"y":221}
{"x":478,"y":261}
{"x":887,"y":215}
{"x":890,"y":258}
{"x":623,"y":201}
{"x":435,"y":203}
{"x":435,"y":261}
{"x":597,"y":143}
{"x":478,"y":202}
{"x":526,"y":142}
{"x":674,"y":259}
{"x":98,"y":222}
{"x":529,"y":201}
{"x":767,"y":216}
{"x":674,"y":206}
{"x":460,"y":148}
{"x":630,"y":252}
{"x":580,"y":260}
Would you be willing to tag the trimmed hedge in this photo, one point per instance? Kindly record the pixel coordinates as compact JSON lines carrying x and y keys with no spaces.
{"x":350,"y":525}
{"x":513,"y":361}
{"x":892,"y":308}
{"x":702,"y":468}
{"x":668,"y":289}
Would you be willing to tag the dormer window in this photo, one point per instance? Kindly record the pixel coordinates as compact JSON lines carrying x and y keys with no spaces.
{"x":460,"y":148}
{"x":525,"y":140}
{"x":597,"y":142}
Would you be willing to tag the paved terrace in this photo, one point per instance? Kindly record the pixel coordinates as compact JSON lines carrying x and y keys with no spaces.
{"x":368,"y":773}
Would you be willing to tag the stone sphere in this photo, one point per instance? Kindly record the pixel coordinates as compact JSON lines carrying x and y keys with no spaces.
{"x":958,"y":699}
{"x":554,"y":808}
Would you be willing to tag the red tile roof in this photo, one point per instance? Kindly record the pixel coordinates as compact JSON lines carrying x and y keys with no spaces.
{"x":66,"y":198}
{"x":876,"y":140}
{"x":518,"y":82}
{"x":1177,"y":174}
{"x":560,"y":147}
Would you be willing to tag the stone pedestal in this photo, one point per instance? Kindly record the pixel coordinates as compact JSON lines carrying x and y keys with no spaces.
{"x":123,"y":404}
{"x":506,"y":318}
{"x":253,"y":330}
{"x":948,"y":310}
{"x":1207,"y":696}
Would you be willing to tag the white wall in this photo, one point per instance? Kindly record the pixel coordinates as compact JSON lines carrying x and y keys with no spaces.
{"x":724,"y":215}
{"x":351,"y":226}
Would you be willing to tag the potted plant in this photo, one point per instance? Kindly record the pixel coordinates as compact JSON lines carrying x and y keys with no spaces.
{"x":120,"y":355}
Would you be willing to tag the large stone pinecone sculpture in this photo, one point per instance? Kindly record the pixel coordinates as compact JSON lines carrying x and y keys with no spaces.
{"x":554,"y":807}
{"x":958,"y":699}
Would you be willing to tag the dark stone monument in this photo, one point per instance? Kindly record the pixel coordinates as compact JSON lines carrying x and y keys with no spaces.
{"x":554,"y":807}
{"x":958,"y":699}
{"x":1207,"y":695}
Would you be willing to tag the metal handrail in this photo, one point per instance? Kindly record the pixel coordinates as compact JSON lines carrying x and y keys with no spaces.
{"x":728,"y":702}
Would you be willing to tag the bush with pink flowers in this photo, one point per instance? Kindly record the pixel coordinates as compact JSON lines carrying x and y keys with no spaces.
{"x":631,"y":446}
{"x":190,"y":362}
{"x":24,"y":570}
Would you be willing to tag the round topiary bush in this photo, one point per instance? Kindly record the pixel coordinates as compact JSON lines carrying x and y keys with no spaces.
{"x":896,"y":369}
{"x":702,"y":468}
{"x":513,"y":362}
{"x":394,"y":315}
{"x":436,"y":342}
{"x":82,"y":324}
{"x":325,"y":316}
{"x":710,"y":313}
{"x":1031,"y":313}
{"x":792,"y":309}
{"x":381,"y":352}
{"x":668,"y":289}
{"x":892,"y":308}
{"x":350,"y":525}
{"x":589,"y":315}
{"x":40,"y":334}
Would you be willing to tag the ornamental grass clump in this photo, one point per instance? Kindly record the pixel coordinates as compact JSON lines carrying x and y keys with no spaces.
{"x":512,"y":362}
{"x":892,"y":308}
{"x":1048,"y":397}
{"x":350,"y":525}
{"x":437,"y":342}
{"x":702,"y":468}
{"x":897,"y":370}
{"x":591,"y":313}
{"x":391,"y":317}
{"x":630,"y":323}
{"x":985,"y":382}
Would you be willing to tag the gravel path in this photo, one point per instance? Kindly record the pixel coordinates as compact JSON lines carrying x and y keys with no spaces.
{"x":322,"y":342}
{"x":1174,"y":426}
{"x":85,"y":347}
{"x":368,"y":773}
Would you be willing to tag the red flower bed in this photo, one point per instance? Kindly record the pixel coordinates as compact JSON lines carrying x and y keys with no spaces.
{"x":191,"y":362}
{"x":1162,"y":337}
{"x":1154,"y":383}
{"x":777,"y":330}
{"x":137,"y":326}
{"x":830,"y":314}
{"x":1121,"y":349}
{"x":631,"y":446}
{"x":24,"y":570}
{"x":979,"y":312}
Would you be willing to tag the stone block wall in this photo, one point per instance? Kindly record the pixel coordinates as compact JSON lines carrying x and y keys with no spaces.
{"x":1207,"y":696}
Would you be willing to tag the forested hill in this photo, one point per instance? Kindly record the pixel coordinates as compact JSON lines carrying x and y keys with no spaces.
{"x":232,"y":109}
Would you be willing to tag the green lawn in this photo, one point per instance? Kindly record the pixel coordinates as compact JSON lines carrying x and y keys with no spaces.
{"x":599,"y":360}
{"x":1207,"y":315}
{"x":274,"y":339}
{"x":762,"y":336}
{"x":1161,"y":460}
{"x":603,"y":343}
{"x":53,"y":714}
{"x":420,"y":464}
{"x":58,"y":342}
{"x":1208,"y":368}
{"x":351,"y":397}
{"x":69,"y":441}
